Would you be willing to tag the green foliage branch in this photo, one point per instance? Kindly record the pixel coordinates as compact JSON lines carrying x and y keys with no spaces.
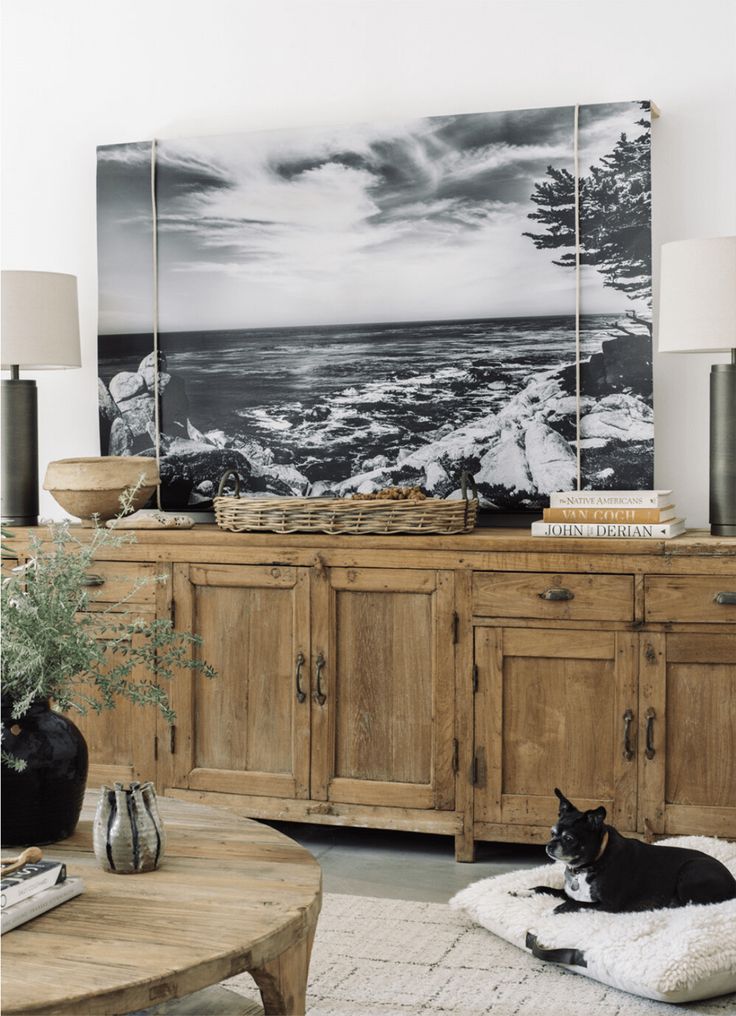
{"x":55,"y":647}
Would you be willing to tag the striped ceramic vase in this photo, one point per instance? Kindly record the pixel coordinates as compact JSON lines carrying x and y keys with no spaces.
{"x":128,"y":834}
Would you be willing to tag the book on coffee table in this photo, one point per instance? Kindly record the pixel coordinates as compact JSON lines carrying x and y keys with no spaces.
{"x":33,"y":906}
{"x":32,"y":878}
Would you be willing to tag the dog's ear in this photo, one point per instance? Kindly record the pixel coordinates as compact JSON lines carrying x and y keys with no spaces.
{"x":565,"y":805}
{"x":597,"y":817}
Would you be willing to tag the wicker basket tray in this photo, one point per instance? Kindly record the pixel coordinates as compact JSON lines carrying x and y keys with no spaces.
{"x":341,"y":515}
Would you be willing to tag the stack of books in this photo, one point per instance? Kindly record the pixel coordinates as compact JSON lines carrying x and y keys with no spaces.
{"x":611,"y":514}
{"x":32,"y":890}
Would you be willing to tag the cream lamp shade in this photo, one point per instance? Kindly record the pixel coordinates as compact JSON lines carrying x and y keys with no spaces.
{"x":697,"y":296}
{"x":40,"y":321}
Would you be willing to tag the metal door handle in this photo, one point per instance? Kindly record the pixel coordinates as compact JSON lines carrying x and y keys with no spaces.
{"x":628,"y":750}
{"x":725,"y":598}
{"x":91,"y":579}
{"x":319,"y":695}
{"x":557,"y":593}
{"x":650,"y":717}
{"x":300,"y":695}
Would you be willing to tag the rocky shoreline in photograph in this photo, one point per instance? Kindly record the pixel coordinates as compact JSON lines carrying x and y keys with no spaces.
{"x":517,"y":454}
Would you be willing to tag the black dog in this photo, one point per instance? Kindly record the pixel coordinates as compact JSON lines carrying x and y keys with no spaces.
{"x":607,"y":871}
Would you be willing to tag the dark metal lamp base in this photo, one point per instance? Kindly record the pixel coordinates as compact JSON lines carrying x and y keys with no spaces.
{"x":723,"y":449}
{"x":19,"y":453}
{"x":20,"y":520}
{"x":716,"y":530}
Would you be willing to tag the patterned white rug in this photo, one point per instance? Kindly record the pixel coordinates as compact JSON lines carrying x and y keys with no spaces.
{"x":398,"y":957}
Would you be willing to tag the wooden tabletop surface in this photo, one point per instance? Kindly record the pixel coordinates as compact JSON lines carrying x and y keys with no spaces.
{"x":231,"y":895}
{"x":482,"y":539}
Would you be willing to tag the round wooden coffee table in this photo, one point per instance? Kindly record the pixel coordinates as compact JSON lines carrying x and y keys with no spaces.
{"x":231,"y":895}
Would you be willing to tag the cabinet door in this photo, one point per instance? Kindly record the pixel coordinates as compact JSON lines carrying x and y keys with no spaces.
{"x":554,"y":708}
{"x":247,"y":730}
{"x":121,"y":741}
{"x":687,"y":737}
{"x":383,"y":666}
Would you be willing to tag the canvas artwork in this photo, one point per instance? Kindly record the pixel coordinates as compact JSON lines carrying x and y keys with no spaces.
{"x":344,"y":309}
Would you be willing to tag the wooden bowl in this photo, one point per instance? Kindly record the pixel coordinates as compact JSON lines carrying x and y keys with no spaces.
{"x":92,"y":486}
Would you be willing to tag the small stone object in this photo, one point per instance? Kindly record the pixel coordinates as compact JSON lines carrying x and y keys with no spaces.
{"x":151,"y":520}
{"x":128,"y":834}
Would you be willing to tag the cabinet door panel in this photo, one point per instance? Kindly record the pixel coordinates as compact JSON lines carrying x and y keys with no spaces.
{"x":550,"y":711}
{"x":688,"y":710}
{"x":383,"y":710}
{"x":549,"y":727}
{"x":245,"y":731}
{"x":121,"y":741}
{"x":383,"y":735}
{"x":244,"y":724}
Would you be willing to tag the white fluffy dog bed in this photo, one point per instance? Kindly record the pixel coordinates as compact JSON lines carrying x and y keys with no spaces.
{"x":678,"y":955}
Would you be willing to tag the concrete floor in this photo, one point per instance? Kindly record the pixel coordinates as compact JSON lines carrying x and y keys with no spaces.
{"x":407,"y":866}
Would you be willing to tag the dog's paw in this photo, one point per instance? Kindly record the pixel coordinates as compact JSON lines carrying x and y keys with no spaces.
{"x":568,"y":907}
{"x":548,"y":890}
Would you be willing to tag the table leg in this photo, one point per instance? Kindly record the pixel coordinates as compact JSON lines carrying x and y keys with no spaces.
{"x":283,"y":981}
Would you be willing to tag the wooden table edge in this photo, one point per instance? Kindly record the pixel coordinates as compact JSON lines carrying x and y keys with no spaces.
{"x":278,"y":961}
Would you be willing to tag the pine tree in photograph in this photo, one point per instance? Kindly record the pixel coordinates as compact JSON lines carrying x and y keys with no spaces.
{"x":614,"y":203}
{"x":615,"y":210}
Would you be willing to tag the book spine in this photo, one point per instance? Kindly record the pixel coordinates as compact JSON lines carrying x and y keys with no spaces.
{"x":605,"y":499}
{"x":620,"y":515}
{"x":38,"y":904}
{"x":608,"y":531}
{"x":14,"y":890}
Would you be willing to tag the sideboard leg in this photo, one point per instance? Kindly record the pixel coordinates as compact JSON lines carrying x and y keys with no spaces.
{"x":465,"y":846}
{"x":283,"y":981}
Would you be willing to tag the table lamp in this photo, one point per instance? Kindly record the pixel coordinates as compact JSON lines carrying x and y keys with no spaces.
{"x":40,"y":331}
{"x":697,"y":314}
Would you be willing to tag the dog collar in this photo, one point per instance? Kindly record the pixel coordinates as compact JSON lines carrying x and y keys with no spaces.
{"x":604,"y":844}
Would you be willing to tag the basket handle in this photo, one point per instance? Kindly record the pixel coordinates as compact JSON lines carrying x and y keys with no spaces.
{"x":225,"y":478}
{"x":467,"y":480}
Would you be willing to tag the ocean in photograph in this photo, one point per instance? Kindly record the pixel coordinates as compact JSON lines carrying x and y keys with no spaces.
{"x":342,"y":408}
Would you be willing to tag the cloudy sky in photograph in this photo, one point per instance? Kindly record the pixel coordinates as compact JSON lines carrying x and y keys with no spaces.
{"x":394,"y":221}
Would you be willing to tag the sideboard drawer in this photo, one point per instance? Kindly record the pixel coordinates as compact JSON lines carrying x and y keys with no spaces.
{"x":705,"y":598}
{"x":111,"y":581}
{"x":547,"y":595}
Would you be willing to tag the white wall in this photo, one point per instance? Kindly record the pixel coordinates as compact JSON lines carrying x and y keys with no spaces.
{"x":78,"y":73}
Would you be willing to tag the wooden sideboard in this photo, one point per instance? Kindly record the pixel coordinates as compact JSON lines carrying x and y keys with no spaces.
{"x":439,"y":684}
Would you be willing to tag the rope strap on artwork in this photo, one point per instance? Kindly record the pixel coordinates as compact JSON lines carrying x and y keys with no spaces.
{"x":576,"y":169}
{"x":156,"y":406}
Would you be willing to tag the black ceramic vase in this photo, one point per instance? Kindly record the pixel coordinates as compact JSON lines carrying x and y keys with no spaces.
{"x":42,"y":803}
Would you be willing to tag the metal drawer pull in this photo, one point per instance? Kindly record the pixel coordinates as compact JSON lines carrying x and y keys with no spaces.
{"x":93,"y":580}
{"x":319,"y":695}
{"x":725,"y":598}
{"x":628,"y":750}
{"x":557,"y":593}
{"x":651,"y":717}
{"x":300,"y":695}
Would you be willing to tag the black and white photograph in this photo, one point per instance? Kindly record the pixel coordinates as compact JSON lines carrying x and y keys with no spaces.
{"x":343,"y":309}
